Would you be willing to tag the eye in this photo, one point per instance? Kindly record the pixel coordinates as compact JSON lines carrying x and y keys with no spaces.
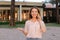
{"x":36,"y":12}
{"x":32,"y":11}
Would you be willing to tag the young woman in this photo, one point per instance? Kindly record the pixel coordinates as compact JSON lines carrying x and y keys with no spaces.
{"x":34,"y":27}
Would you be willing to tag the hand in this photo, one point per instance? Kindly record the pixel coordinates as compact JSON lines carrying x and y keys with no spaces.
{"x":39,"y":17}
{"x":21,"y":29}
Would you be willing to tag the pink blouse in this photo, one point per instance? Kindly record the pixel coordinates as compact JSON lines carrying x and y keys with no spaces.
{"x":33,"y":29}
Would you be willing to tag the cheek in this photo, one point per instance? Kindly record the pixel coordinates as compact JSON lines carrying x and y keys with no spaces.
{"x":34,"y":15}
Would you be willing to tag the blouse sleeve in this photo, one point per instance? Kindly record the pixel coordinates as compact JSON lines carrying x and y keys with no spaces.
{"x":43,"y":26}
{"x":26,"y":27}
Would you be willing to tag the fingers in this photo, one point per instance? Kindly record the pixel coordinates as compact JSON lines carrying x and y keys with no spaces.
{"x":20,"y":29}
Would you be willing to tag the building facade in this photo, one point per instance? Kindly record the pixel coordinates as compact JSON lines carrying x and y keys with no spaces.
{"x":21,"y":10}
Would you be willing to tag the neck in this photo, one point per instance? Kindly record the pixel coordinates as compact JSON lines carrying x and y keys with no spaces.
{"x":34,"y":19}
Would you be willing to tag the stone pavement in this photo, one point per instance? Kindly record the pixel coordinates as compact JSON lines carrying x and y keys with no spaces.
{"x":53,"y":33}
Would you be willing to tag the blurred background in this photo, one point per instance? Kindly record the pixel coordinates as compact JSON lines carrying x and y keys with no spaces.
{"x":14,"y":13}
{"x":20,"y":11}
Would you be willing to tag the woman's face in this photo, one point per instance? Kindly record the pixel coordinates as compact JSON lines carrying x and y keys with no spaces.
{"x":34,"y":13}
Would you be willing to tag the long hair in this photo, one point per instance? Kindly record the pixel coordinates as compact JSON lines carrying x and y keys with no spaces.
{"x":38,"y":16}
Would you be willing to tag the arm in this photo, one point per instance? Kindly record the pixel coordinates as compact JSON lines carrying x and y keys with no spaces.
{"x":25,"y":29}
{"x":21,"y":29}
{"x":43,"y":27}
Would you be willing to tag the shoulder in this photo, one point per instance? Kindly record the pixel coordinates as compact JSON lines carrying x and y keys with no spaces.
{"x":42,"y":21}
{"x":27,"y":21}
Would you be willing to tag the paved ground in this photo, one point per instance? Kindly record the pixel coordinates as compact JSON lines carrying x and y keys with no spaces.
{"x":53,"y":33}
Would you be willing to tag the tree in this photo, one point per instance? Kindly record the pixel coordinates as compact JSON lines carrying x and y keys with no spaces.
{"x":54,"y":1}
{"x":12,"y":13}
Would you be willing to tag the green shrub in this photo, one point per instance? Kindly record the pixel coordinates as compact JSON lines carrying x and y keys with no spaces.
{"x":4,"y":23}
{"x":18,"y":22}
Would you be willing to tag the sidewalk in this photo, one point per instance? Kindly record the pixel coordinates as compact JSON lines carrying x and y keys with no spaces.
{"x":53,"y":33}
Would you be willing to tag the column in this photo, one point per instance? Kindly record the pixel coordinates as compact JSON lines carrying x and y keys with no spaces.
{"x":41,"y":11}
{"x":20,"y":12}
